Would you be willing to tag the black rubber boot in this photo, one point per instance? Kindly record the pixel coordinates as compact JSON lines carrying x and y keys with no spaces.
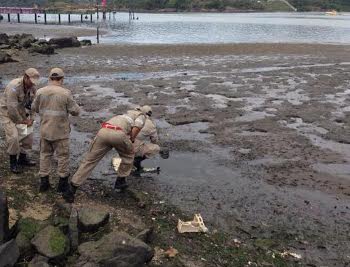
{"x":24,"y":161}
{"x":44,"y":184}
{"x":13,"y":164}
{"x":137,"y":163}
{"x":68,"y":194}
{"x":120,"y":184}
{"x":62,"y":184}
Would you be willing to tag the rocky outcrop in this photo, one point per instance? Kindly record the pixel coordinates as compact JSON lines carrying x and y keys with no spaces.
{"x":4,"y":39}
{"x":65,"y":42}
{"x":51,"y":243}
{"x":116,"y":249}
{"x":9,"y":253}
{"x":4,"y":217}
{"x":92,"y":219}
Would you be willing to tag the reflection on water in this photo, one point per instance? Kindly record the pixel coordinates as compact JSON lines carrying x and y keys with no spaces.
{"x":219,"y":27}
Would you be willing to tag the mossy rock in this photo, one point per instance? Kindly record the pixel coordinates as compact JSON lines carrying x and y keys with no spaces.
{"x":27,"y":229}
{"x":51,"y":243}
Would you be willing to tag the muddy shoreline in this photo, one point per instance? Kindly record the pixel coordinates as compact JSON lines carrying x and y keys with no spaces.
{"x":259,"y":132}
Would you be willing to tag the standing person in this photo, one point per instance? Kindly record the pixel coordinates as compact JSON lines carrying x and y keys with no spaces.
{"x":54,"y":103}
{"x":146,"y":143}
{"x":118,"y":133}
{"x":15,"y":104}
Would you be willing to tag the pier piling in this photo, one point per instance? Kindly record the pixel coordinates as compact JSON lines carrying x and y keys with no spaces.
{"x":18,"y":18}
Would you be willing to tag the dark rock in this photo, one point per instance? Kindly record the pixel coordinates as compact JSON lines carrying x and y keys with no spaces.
{"x":116,"y":249}
{"x":26,"y":40}
{"x":45,"y":49}
{"x":51,"y":242}
{"x":4,"y":218}
{"x":5,"y":46}
{"x":65,"y":42}
{"x":145,"y":235}
{"x":9,"y":253}
{"x":85,"y":42}
{"x":39,"y":261}
{"x":73,"y":231}
{"x":62,"y":209}
{"x":5,"y":58}
{"x":4,"y":38}
{"x":91,"y":219}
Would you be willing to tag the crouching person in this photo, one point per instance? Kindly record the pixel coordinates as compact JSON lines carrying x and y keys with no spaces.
{"x":54,"y":103}
{"x":15,"y":104}
{"x":118,"y":133}
{"x":146,"y":144}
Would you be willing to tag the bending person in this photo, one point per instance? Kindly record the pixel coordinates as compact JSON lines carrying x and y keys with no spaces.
{"x":118,"y":133}
{"x":15,"y":104}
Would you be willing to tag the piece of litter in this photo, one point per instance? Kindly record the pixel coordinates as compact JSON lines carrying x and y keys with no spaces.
{"x":292,"y":254}
{"x":171,"y":252}
{"x":194,"y":226}
{"x":116,"y":163}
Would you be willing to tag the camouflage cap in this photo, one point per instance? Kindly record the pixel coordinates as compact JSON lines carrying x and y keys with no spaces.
{"x":56,"y":73}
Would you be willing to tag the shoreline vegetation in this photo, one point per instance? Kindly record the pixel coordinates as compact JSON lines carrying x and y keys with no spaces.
{"x":166,"y":6}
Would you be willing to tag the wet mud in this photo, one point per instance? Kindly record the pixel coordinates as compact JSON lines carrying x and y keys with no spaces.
{"x":259,"y":138}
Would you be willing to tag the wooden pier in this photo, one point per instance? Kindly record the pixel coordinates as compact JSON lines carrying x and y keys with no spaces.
{"x":86,"y":14}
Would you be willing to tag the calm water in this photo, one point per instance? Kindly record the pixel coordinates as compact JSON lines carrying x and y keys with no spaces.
{"x":224,"y":28}
{"x":230,"y":28}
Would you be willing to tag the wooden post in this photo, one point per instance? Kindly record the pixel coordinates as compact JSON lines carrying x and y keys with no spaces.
{"x":81,"y":18}
{"x":45,"y":18}
{"x":36,"y":18}
{"x":104,"y":15}
{"x":59,"y":18}
{"x":98,"y":34}
{"x":9,"y":17}
{"x":91,"y":17}
{"x":69,"y":18}
{"x":97,"y":12}
{"x":18,"y":18}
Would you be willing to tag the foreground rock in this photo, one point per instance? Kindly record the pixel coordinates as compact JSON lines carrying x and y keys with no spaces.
{"x":65,"y":42}
{"x":116,"y":249}
{"x":9,"y":253}
{"x":91,"y":219}
{"x":4,"y":218}
{"x":27,"y":228}
{"x":51,"y":243}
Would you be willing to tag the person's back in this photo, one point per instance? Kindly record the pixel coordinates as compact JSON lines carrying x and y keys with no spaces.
{"x":54,"y":104}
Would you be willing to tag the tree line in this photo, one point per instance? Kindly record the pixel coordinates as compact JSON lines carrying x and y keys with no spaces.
{"x":188,"y":5}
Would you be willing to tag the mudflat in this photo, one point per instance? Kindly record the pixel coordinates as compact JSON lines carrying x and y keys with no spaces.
{"x":259,"y":133}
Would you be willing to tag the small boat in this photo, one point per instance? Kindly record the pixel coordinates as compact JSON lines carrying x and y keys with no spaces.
{"x":332,"y":13}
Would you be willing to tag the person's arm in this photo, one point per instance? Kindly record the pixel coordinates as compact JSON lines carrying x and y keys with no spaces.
{"x":12,"y":106}
{"x":72,"y":106}
{"x":134,"y":132}
{"x":35,"y":104}
{"x":154,"y":135}
{"x":139,"y":123}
